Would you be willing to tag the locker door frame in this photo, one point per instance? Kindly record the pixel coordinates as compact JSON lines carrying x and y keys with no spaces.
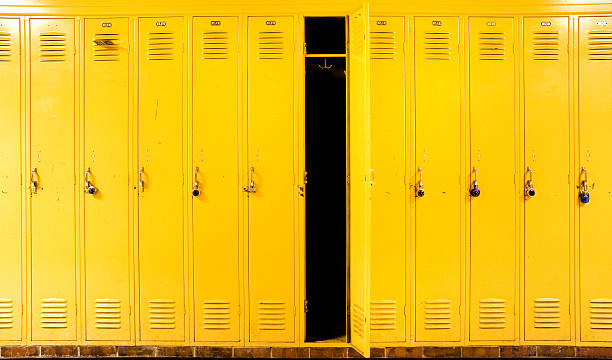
{"x":22,"y":215}
{"x":81,"y":183}
{"x":518,"y":176}
{"x":186,"y":91}
{"x":27,"y":126}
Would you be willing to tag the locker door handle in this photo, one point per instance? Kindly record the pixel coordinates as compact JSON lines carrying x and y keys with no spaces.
{"x":140,"y":181}
{"x":89,"y":188}
{"x":529,"y":189}
{"x":196,"y":185}
{"x":420,"y":190}
{"x":585,"y":197}
{"x":34,"y":182}
{"x":251,"y":187}
{"x":475,"y":190}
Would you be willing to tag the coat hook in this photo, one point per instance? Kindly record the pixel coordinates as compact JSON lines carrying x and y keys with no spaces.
{"x":325,"y":65}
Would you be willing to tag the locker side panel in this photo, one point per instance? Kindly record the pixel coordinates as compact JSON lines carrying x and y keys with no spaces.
{"x":547,"y":154}
{"x":388,"y":132}
{"x":492,"y":227}
{"x":595,"y":112}
{"x":107,"y":242}
{"x":10,"y":184}
{"x":215,"y":210}
{"x":52,"y":147}
{"x":160,"y":157}
{"x":271,"y":165}
{"x":438,"y":155}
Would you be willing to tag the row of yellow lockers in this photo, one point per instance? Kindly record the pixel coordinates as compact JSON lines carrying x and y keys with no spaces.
{"x":516,"y":93}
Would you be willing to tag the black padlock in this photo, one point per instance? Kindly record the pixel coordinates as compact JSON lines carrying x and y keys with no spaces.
{"x":195,"y":192}
{"x":420,"y":192}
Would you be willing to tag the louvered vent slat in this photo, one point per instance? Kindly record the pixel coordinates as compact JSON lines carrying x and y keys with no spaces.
{"x":437,"y":45}
{"x":383,"y":45}
{"x":546,"y":45}
{"x":106,"y":47}
{"x":599,"y":45}
{"x":53,"y":47}
{"x":5,"y":47}
{"x":492,"y":46}
{"x":270,"y":45}
{"x":160,"y":46}
{"x":215,"y":45}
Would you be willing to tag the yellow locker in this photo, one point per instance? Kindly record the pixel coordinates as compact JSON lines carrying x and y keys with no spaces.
{"x":52,"y":166}
{"x":547,"y":168}
{"x":492,"y":148}
{"x":388,"y":133}
{"x":160,"y":179}
{"x":216,"y":185}
{"x":438,"y":164}
{"x":595,"y":112}
{"x":270,"y":179}
{"x":361,"y":178}
{"x":10,"y":184}
{"x":105,"y":179}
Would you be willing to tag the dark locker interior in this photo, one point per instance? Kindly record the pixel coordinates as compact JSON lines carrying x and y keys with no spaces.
{"x":326,"y":188}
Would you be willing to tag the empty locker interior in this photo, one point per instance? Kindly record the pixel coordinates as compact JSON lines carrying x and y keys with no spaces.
{"x":325,"y":174}
{"x":351,"y":173}
{"x":492,"y":123}
{"x":106,"y":209}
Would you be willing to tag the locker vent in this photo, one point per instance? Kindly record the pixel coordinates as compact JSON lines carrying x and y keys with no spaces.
{"x":106,"y":47}
{"x":438,"y":314}
{"x":162,"y":314}
{"x":271,"y":315}
{"x":215,"y":45}
{"x":492,"y":46}
{"x":600,"y":45}
{"x":437,"y":45}
{"x":270,"y":45}
{"x":54,"y":313}
{"x":384,"y":315}
{"x":108,"y":313}
{"x":357,"y":320}
{"x":383,"y":45}
{"x":53,"y":47}
{"x":601,"y":314}
{"x":160,"y":46}
{"x":492,"y":313}
{"x":5,"y":46}
{"x":6,"y":313}
{"x":546,"y":45}
{"x":547,"y":313}
{"x":216,"y":315}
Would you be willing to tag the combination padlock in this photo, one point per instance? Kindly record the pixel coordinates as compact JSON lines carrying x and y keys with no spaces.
{"x":475,"y":190}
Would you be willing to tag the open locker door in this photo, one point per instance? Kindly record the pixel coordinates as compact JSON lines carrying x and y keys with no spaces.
{"x":361,"y":177}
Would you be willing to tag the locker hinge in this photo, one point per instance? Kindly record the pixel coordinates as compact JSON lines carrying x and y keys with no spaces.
{"x":348,"y":179}
{"x":305,"y":306}
{"x":294,"y":311}
{"x":459,"y":310}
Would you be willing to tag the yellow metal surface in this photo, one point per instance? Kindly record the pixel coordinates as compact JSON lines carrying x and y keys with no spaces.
{"x":547,"y":154}
{"x":270,"y":179}
{"x":107,"y":241}
{"x":53,"y":200}
{"x":361,"y":179}
{"x":388,"y":137}
{"x":437,"y":264}
{"x":160,"y":179}
{"x":594,"y":114}
{"x":10,"y":184}
{"x":493,"y":245}
{"x":215,"y":153}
